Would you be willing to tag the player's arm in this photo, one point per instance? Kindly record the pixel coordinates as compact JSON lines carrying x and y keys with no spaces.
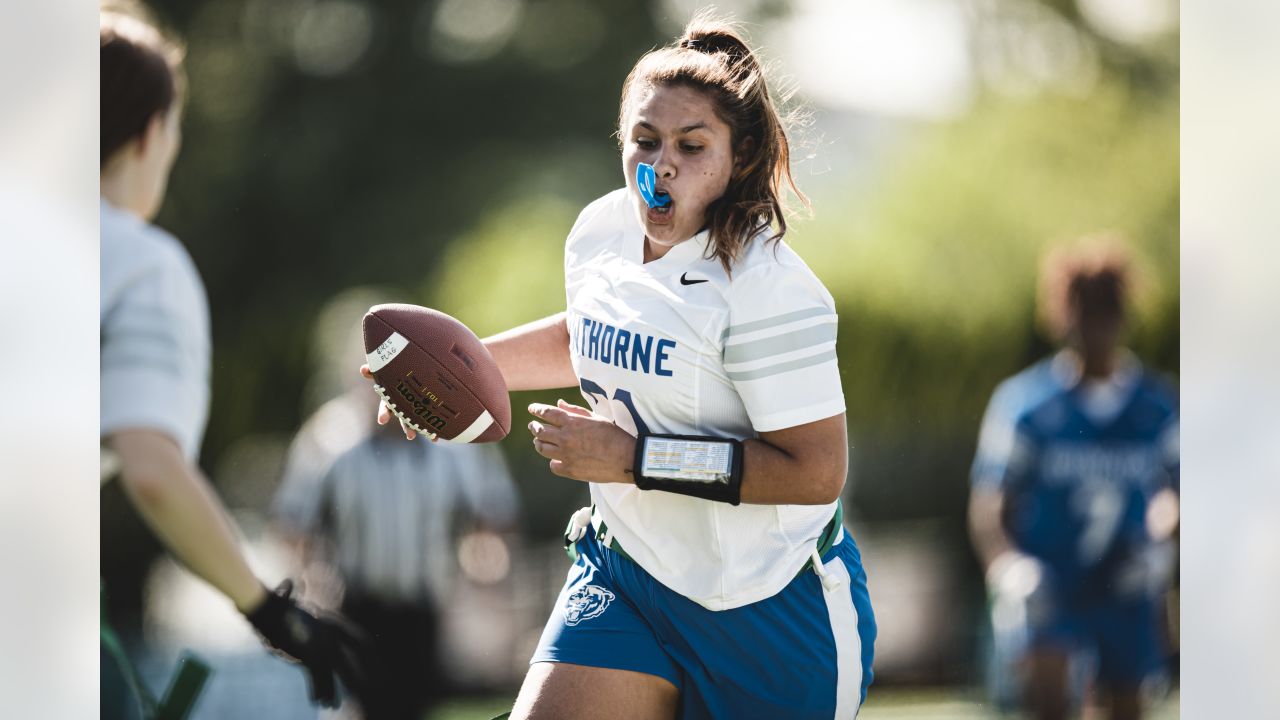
{"x":534,"y":356}
{"x":175,"y":500}
{"x":1009,"y":572}
{"x":1001,"y":457}
{"x":801,"y":465}
{"x":1164,"y":508}
{"x":1007,"y":454}
{"x":986,"y":525}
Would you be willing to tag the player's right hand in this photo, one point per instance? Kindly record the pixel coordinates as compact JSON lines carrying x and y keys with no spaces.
{"x":384,"y":413}
{"x":1020,"y":583}
{"x":326,"y":647}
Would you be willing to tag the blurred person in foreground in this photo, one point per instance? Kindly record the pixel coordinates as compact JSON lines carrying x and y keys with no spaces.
{"x":1074,"y":503}
{"x":381,"y":514}
{"x":155,"y":363}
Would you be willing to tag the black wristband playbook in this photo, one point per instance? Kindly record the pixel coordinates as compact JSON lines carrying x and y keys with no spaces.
{"x":702,"y":467}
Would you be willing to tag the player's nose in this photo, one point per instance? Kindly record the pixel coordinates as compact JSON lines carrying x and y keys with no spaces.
{"x":664,"y":165}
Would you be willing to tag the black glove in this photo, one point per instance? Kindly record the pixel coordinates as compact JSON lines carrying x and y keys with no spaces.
{"x":326,"y":646}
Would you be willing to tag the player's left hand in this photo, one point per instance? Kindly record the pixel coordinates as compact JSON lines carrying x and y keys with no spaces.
{"x":328,"y":648}
{"x":582,"y":445}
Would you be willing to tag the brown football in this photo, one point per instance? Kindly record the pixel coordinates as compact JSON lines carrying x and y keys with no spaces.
{"x":435,"y":374}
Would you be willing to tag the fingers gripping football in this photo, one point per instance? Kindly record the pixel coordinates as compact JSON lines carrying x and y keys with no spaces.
{"x":580,"y":444}
{"x":384,"y":412}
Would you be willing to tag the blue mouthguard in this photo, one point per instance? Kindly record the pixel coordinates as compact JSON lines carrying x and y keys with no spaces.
{"x":646,"y":180}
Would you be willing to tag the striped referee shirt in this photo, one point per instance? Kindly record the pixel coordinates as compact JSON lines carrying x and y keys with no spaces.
{"x":386,"y":503}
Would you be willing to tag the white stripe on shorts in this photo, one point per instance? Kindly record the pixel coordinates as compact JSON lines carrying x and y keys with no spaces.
{"x":844,"y":626}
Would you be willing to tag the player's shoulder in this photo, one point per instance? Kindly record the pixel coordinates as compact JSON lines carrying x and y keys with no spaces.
{"x":1158,"y":389}
{"x":605,"y":214}
{"x":608,"y":204}
{"x":126,"y":236}
{"x":1035,"y":399}
{"x":764,"y":254}
{"x":1026,"y":388}
{"x":1155,"y":401}
{"x":771,"y":272}
{"x":598,"y":230}
{"x":133,"y":248}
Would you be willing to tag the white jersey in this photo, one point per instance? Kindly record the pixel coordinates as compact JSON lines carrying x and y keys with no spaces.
{"x":677,"y":345}
{"x":154,"y":333}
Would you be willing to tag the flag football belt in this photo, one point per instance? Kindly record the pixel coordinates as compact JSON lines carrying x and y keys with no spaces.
{"x":589,"y":518}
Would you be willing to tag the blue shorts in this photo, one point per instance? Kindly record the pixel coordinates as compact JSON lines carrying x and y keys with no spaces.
{"x":1122,"y":638}
{"x":803,"y":653}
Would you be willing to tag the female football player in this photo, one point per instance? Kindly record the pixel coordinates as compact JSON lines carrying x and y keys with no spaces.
{"x":712,"y":577}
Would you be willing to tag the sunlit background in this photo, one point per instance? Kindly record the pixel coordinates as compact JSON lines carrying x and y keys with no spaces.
{"x":341,"y":152}
{"x":900,"y":86}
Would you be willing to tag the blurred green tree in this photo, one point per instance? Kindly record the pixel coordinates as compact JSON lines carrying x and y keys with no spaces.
{"x":333,"y":143}
{"x":934,"y":272}
{"x":446,"y":145}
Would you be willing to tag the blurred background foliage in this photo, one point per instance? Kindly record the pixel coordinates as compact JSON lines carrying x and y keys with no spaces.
{"x":934,"y":273}
{"x":439,"y":151}
{"x":444,"y":148}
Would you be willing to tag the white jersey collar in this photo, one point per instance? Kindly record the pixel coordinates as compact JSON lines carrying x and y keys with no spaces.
{"x":1101,"y":399}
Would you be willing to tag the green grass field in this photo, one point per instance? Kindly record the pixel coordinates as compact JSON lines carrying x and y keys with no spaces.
{"x":886,"y":704}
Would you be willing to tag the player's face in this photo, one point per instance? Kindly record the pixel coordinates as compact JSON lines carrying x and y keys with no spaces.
{"x":1098,"y":333}
{"x":1096,"y":336}
{"x":676,"y":130}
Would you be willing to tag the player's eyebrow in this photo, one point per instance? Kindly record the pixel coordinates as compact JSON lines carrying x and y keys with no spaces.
{"x":683,"y":130}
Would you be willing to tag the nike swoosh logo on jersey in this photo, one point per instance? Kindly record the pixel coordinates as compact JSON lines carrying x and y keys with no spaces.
{"x":684,"y":280}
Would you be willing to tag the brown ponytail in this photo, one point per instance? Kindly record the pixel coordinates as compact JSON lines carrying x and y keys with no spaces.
{"x":713,"y":57}
{"x":141,"y":77}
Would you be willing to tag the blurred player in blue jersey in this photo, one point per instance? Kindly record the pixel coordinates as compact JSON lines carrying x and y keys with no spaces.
{"x":713,"y":577}
{"x":1074,"y":500}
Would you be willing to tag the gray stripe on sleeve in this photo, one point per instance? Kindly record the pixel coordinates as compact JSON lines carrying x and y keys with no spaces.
{"x":779,"y":344}
{"x":782,"y":367}
{"x":776,"y":320}
{"x":155,"y":340}
{"x":126,"y":359}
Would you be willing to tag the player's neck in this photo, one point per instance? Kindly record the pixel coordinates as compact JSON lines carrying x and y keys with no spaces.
{"x":119,"y":189}
{"x":1099,"y":369}
{"x":653,"y":251}
{"x":1097,"y":365}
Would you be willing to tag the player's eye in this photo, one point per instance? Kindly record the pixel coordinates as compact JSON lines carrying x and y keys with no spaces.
{"x":691,"y":149}
{"x":646,"y":143}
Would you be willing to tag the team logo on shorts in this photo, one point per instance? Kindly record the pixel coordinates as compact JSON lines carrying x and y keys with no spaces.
{"x":588,"y":602}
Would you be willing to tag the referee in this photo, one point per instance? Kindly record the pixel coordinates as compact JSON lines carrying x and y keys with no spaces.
{"x":382,"y":511}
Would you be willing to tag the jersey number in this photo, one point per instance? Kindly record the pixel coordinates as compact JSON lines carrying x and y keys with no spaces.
{"x":592,"y":389}
{"x":1101,"y":505}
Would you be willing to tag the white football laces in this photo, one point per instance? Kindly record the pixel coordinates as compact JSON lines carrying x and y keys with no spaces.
{"x":386,"y":399}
